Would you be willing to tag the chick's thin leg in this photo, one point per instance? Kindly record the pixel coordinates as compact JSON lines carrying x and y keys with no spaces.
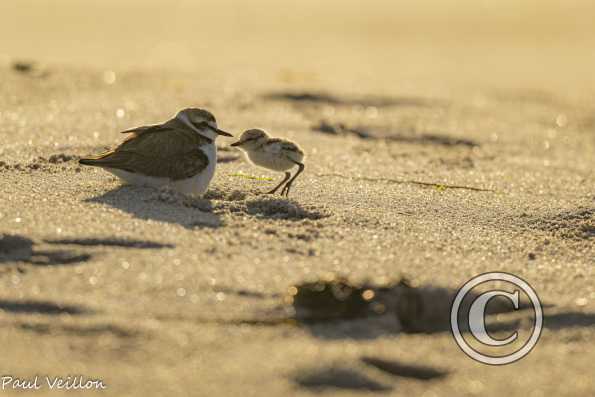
{"x":287,"y":186}
{"x":287,"y":175}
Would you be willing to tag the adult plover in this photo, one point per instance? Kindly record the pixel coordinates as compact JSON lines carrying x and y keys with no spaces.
{"x":272,"y":153}
{"x":180,"y":153}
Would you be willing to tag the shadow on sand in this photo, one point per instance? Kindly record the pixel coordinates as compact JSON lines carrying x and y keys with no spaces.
{"x":41,"y":307}
{"x":317,"y":98}
{"x":16,"y":248}
{"x":352,"y":378}
{"x":111,"y":242}
{"x":275,"y":208}
{"x":337,"y":378}
{"x":388,"y":135}
{"x":263,"y":206}
{"x":163,"y":206}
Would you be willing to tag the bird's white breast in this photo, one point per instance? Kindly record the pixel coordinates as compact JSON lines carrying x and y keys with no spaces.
{"x":274,"y":157}
{"x":270,"y":161}
{"x":198,"y":184}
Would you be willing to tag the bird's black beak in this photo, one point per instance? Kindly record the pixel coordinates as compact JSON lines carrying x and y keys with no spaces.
{"x":221,"y":132}
{"x":218,"y":131}
{"x":238,"y":143}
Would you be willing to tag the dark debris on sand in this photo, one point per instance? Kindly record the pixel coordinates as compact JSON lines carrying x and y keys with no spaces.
{"x":334,"y":299}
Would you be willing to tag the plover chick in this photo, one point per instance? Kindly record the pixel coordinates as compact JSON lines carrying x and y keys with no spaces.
{"x":179,"y":153}
{"x":272,"y":153}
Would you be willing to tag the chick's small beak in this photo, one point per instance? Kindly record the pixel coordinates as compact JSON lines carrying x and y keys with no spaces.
{"x":238,"y":143}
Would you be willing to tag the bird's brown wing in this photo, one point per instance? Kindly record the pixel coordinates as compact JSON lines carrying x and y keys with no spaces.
{"x":173,"y":124}
{"x":141,"y":130}
{"x":159,"y":151}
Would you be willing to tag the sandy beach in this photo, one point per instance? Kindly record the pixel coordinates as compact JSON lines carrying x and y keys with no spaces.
{"x":443,"y":140}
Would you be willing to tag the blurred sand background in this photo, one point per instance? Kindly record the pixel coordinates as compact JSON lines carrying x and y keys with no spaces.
{"x":497,"y":95}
